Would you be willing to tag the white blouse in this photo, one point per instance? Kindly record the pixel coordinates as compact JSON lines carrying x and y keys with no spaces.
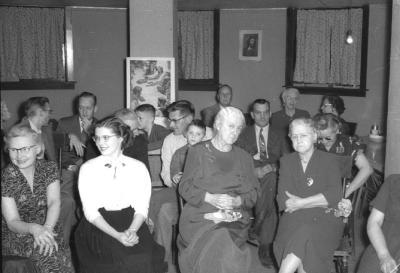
{"x":114,"y":185}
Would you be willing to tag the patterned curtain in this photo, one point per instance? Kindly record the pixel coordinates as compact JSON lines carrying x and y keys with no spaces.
{"x":322,"y":55}
{"x":196,"y":44}
{"x":31,"y":43}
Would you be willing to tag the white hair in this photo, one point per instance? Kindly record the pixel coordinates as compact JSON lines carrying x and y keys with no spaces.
{"x":289,"y":90}
{"x":229,"y":113}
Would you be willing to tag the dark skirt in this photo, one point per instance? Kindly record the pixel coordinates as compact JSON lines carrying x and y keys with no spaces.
{"x":98,"y":252}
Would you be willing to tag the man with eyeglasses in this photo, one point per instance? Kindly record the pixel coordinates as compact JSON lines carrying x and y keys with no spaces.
{"x":76,"y":130}
{"x":37,"y":116}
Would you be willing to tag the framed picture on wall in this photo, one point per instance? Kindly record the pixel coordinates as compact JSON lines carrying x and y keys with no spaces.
{"x":250,"y":45}
{"x":150,"y":80}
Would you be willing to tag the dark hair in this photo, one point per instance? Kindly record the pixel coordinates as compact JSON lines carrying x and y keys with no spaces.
{"x":325,"y":121}
{"x":336,"y":101}
{"x":183,"y":106}
{"x":198,"y":123}
{"x":88,"y":95}
{"x":259,"y":101}
{"x":33,"y":103}
{"x":146,"y":108}
{"x":118,"y":127}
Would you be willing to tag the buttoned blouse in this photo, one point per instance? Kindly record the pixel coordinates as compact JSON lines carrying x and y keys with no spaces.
{"x":114,"y":185}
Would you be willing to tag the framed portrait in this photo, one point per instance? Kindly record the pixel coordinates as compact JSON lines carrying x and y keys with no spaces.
{"x":250,"y":45}
{"x":150,"y":80}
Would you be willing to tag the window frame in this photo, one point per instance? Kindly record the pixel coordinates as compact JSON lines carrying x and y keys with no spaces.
{"x":205,"y":84}
{"x":327,"y":89}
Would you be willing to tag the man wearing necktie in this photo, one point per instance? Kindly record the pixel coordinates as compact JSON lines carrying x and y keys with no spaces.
{"x":76,"y":130}
{"x":266,"y":147}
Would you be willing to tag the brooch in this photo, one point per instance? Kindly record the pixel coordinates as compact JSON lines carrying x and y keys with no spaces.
{"x":310,"y":181}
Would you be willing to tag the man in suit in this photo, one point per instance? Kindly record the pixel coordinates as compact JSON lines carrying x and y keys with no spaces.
{"x":266,"y":147}
{"x":37,"y":116}
{"x":224,"y":99}
{"x":76,"y":130}
{"x":155,"y":133}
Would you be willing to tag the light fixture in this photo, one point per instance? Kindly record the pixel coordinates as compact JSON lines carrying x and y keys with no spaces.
{"x":349,"y":37}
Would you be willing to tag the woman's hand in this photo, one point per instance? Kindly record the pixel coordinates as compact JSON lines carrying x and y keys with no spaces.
{"x":177,"y":177}
{"x":293,"y":202}
{"x":132,"y":236}
{"x":44,"y":239}
{"x":387,"y":264}
{"x":127,"y":239}
{"x":223,"y":201}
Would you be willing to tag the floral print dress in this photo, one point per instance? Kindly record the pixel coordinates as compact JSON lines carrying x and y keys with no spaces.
{"x":32,"y":208}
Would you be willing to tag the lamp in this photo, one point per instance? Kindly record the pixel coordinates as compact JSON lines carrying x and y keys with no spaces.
{"x":349,"y":36}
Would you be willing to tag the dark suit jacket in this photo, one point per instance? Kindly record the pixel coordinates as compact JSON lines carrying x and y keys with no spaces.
{"x":208,"y":114}
{"x":48,"y":140}
{"x":70,"y":125}
{"x":276,"y":147}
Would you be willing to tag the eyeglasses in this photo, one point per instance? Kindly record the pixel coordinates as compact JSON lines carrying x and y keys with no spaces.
{"x":178,"y":119}
{"x":326,"y":105}
{"x":23,"y":150}
{"x":104,"y":138}
{"x":325,"y":138}
{"x":298,"y":137}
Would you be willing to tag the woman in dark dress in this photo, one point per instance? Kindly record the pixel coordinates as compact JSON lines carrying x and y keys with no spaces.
{"x":383,"y":255}
{"x":220,"y":189}
{"x":115,"y":192}
{"x":309,"y":184}
{"x":30,"y":200}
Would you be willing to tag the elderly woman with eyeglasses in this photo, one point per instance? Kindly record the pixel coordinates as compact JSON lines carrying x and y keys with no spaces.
{"x":331,"y":141}
{"x":30,"y":202}
{"x":308,"y":190}
{"x":115,"y":193}
{"x":220,"y":189}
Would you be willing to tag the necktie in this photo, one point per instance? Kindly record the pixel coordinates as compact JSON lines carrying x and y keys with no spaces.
{"x":263,"y":146}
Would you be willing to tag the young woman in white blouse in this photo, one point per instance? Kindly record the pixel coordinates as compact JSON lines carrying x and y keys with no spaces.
{"x":115,"y":193}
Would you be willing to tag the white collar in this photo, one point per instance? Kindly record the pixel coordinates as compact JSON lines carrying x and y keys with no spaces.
{"x":34,"y":128}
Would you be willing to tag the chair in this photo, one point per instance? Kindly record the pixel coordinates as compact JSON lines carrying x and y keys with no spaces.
{"x":59,"y":143}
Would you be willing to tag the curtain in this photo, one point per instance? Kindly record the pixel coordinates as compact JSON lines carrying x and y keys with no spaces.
{"x":196,"y":44}
{"x":322,"y":55}
{"x":31,"y":43}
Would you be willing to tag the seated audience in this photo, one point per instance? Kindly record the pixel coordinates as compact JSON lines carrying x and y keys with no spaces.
{"x":155,"y":133}
{"x":138,"y":143}
{"x":331,"y":141}
{"x":195,"y":133}
{"x":383,"y":255}
{"x":220,"y":190}
{"x":280,"y":120}
{"x":37,"y":115}
{"x":77,"y":129}
{"x":335,"y":105}
{"x":309,"y":183}
{"x":111,"y":236}
{"x":223,"y":98}
{"x":266,"y":146}
{"x":164,"y":205}
{"x":30,"y":201}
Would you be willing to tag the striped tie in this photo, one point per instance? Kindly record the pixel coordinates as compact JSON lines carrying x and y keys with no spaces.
{"x":263,"y":147}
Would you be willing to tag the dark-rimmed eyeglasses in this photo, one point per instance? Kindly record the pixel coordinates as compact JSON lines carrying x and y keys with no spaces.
{"x":23,"y":150}
{"x":177,"y":119}
{"x":325,"y":138}
{"x":105,"y":138}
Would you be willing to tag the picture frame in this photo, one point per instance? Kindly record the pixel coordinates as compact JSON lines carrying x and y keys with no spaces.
{"x":250,"y":45}
{"x":150,"y":80}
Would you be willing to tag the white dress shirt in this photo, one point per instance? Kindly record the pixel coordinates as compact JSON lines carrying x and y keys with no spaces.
{"x":114,"y":186}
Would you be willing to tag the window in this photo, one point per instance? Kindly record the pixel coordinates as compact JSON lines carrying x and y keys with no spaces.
{"x":32,"y":51}
{"x":318,"y":58}
{"x":198,"y":50}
